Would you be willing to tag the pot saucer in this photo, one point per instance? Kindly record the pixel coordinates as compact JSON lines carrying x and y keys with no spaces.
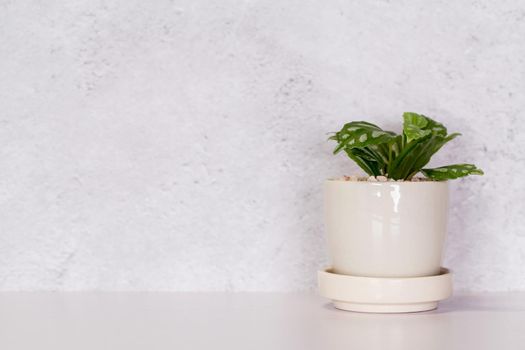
{"x":385,"y":294}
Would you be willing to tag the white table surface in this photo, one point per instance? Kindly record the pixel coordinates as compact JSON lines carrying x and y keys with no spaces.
{"x":250,"y":321}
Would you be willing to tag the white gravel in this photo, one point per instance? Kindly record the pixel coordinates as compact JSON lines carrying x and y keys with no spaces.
{"x":381,"y":178}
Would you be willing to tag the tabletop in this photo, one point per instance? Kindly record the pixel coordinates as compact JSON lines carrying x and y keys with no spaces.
{"x":164,"y":320}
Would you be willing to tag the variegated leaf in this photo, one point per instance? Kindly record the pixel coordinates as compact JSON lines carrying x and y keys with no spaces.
{"x":416,"y":155}
{"x":436,"y":128}
{"x":416,"y":126}
{"x":450,"y":172}
{"x":371,"y":167}
{"x":360,"y":134}
{"x":399,"y":157}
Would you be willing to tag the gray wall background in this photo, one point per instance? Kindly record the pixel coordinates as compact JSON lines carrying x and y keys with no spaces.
{"x":181,"y":145}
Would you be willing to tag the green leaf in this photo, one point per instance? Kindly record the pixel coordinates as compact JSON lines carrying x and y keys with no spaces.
{"x":402,"y":166}
{"x":399,"y":157}
{"x":394,"y":147}
{"x":452,"y":136}
{"x":435,"y":127}
{"x":359,"y":135}
{"x":416,"y":126}
{"x":369,"y":166}
{"x":450,"y":172}
{"x":415,"y":155}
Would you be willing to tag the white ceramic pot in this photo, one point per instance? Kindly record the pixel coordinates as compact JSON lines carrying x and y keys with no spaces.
{"x":386,"y":229}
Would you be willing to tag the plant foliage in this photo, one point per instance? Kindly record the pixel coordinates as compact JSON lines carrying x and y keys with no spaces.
{"x":400,"y":157}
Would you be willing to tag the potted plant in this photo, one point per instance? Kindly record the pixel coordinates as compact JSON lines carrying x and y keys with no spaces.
{"x":386,"y":231}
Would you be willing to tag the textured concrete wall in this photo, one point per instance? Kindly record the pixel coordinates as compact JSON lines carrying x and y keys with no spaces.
{"x":180,"y":145}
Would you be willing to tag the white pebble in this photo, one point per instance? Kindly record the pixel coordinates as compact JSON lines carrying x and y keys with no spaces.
{"x":415,"y":179}
{"x":371,"y":179}
{"x":382,"y":179}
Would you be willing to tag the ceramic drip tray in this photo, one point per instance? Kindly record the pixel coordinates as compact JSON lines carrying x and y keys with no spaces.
{"x":385,"y":295}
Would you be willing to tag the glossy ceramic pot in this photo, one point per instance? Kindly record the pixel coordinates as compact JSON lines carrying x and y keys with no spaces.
{"x":386,"y":229}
